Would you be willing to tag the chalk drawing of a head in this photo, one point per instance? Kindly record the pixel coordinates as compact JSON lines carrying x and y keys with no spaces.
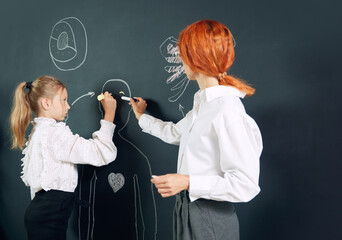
{"x":118,"y":88}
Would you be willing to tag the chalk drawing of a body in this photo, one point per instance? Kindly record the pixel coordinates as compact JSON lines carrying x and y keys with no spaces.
{"x":68,"y":44}
{"x":118,"y":199}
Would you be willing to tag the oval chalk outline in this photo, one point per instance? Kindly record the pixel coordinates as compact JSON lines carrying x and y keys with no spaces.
{"x":86,"y":44}
{"x":73,"y":48}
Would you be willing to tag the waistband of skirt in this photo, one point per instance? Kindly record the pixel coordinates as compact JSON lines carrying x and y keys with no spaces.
{"x":184,"y":194}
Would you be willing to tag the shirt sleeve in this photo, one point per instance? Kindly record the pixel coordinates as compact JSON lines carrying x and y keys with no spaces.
{"x":168,"y":132}
{"x":98,"y":151}
{"x":240,"y":147}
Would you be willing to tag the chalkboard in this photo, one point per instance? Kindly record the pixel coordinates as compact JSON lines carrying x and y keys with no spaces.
{"x":290,"y":51}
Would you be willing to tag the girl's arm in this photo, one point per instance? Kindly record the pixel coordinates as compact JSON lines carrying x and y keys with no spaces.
{"x":240,"y":146}
{"x":69,"y":147}
{"x":169,"y":132}
{"x":109,"y":106}
{"x":98,"y":151}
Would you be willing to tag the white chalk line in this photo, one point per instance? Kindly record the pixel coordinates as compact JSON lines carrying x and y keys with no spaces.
{"x":75,"y":47}
{"x":171,"y":55}
{"x":91,"y":94}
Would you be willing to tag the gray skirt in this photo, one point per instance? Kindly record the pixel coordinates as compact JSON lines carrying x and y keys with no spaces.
{"x":204,"y":219}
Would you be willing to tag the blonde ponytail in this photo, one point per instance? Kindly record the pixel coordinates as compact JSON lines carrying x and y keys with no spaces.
{"x":20,"y":116}
{"x":25,"y":104}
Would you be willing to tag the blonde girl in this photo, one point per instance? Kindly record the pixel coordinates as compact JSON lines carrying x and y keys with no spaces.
{"x":52,"y":152}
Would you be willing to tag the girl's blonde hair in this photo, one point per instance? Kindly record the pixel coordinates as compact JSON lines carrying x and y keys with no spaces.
{"x":25,"y":103}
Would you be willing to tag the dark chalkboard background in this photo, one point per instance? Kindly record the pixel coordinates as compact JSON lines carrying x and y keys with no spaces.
{"x":289,"y":50}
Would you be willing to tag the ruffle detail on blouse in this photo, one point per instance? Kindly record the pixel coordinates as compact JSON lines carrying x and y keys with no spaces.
{"x":25,"y":160}
{"x":31,"y":168}
{"x":46,"y":158}
{"x":24,"y":165}
{"x":51,"y":153}
{"x":37,"y":159}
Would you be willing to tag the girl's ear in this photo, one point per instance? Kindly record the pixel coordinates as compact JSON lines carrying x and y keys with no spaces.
{"x":45,"y":104}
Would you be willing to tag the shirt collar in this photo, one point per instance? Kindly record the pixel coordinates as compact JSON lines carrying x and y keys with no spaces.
{"x":43,"y":120}
{"x":211,"y":93}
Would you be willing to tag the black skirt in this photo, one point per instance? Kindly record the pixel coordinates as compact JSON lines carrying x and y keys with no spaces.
{"x":46,"y":217}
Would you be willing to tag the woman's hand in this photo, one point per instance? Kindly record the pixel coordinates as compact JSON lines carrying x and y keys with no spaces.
{"x":171,"y":184}
{"x":139,"y":106}
{"x":109,"y":106}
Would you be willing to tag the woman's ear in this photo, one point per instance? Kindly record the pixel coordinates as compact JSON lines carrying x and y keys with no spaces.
{"x":45,"y":104}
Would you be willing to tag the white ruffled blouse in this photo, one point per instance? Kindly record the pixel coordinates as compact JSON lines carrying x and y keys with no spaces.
{"x":52,"y":152}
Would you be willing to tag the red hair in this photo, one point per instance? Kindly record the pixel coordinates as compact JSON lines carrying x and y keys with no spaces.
{"x":207,"y":47}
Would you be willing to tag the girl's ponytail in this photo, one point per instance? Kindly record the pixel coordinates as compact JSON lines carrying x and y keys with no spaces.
{"x":20,"y":116}
{"x":25,"y":104}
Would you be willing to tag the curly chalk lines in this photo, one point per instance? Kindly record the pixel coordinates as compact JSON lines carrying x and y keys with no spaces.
{"x":169,"y":51}
{"x":68,"y":44}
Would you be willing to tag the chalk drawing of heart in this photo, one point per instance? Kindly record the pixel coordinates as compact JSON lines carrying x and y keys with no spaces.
{"x":116,"y":181}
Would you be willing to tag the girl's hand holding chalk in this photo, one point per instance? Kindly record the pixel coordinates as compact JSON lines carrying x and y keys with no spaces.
{"x":101,"y":96}
{"x":109,"y":106}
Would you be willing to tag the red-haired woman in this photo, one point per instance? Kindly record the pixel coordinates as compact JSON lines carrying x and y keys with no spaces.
{"x":220,"y":145}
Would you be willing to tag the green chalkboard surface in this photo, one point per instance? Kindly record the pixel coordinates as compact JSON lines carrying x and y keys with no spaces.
{"x":290,"y":51}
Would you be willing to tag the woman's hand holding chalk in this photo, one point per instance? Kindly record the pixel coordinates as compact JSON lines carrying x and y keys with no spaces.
{"x":101,"y":97}
{"x":139,"y":105}
{"x":171,"y":184}
{"x":128,"y":99}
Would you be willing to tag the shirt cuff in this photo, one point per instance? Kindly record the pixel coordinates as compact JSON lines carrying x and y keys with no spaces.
{"x":107,"y":129}
{"x":199,"y":187}
{"x":145,"y":122}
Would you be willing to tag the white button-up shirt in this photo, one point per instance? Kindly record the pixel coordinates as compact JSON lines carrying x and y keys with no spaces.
{"x":52,"y":151}
{"x":220,"y":145}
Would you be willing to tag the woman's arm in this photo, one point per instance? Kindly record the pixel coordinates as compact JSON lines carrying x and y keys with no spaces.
{"x":240,"y":146}
{"x":169,"y":132}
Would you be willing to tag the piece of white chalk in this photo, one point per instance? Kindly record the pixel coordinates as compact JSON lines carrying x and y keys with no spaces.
{"x":125,"y":98}
{"x":154,"y":176}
